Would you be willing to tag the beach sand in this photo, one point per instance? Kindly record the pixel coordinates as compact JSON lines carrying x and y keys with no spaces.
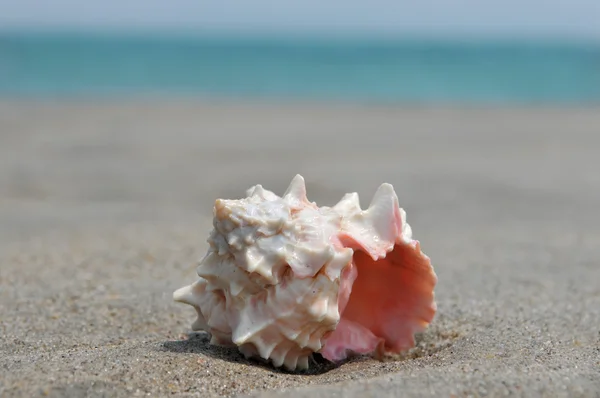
{"x":105,"y":209}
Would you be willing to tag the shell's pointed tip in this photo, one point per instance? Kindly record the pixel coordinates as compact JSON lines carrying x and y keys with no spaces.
{"x":256,"y":190}
{"x":298,"y":182}
{"x":219,"y":203}
{"x":383,"y":193}
{"x":348,"y":200}
{"x":182,"y":295}
{"x":297,"y":188}
{"x":384,"y":201}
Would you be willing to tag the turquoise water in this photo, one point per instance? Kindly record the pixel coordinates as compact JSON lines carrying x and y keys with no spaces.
{"x":367,"y":70}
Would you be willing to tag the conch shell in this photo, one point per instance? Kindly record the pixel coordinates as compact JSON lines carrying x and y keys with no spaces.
{"x":284,"y":278}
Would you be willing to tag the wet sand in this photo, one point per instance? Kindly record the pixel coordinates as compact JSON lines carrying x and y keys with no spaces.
{"x":105,"y":209}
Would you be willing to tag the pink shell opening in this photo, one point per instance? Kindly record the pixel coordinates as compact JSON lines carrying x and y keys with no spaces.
{"x":383,"y":301}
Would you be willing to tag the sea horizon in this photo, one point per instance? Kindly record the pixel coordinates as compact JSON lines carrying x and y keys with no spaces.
{"x":62,"y":64}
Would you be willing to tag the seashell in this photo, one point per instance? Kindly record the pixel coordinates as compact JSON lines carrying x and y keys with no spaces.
{"x":284,"y":278}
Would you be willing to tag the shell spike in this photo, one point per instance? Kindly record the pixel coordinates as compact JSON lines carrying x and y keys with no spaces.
{"x":256,"y":190}
{"x":185,"y":295}
{"x":350,"y":202}
{"x":384,"y":213}
{"x":382,"y":197}
{"x":297,"y":189}
{"x":302,"y":363}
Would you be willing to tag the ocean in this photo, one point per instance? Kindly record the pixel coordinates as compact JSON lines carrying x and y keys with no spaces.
{"x":416,"y":71}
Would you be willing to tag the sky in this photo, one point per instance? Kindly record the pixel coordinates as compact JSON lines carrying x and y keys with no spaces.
{"x":512,"y":18}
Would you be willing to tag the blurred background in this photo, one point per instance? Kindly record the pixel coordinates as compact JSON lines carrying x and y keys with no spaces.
{"x":116,"y":104}
{"x":434,"y":51}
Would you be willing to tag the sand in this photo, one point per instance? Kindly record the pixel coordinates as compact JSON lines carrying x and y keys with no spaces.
{"x":105,"y":208}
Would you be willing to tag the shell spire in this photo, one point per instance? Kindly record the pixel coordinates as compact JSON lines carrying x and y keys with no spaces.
{"x":284,"y":278}
{"x":296,"y":192}
{"x":383,"y":213}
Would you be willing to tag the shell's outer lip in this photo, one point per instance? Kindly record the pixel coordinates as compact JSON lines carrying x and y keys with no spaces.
{"x":281,"y":278}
